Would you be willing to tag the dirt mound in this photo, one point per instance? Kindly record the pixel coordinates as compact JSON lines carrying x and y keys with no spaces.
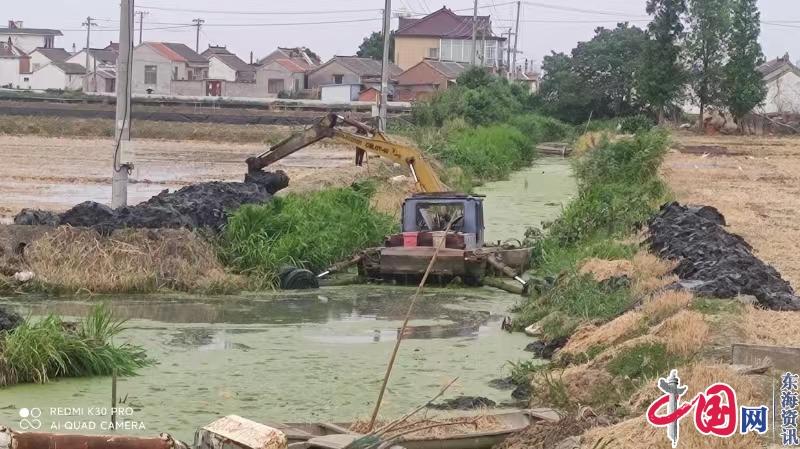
{"x":714,"y":262}
{"x":204,"y":205}
{"x":9,"y":320}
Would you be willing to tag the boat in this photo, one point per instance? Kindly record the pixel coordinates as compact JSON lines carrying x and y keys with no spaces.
{"x":338,"y":435}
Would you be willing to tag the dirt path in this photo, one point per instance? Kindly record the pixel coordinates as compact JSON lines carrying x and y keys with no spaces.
{"x":57,"y":173}
{"x":753,"y":181}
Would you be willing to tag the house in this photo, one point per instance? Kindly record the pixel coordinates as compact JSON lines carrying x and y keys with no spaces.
{"x":13,"y":63}
{"x":530,"y":80}
{"x":281,"y":75}
{"x":350,"y":70}
{"x":58,"y":75}
{"x":302,"y":56}
{"x":40,"y":57}
{"x":224,"y":65}
{"x":446,"y":36}
{"x":782,"y":79}
{"x":103,"y":80}
{"x":98,"y":57}
{"x":156,"y":65}
{"x":427,"y":77}
{"x":28,"y":39}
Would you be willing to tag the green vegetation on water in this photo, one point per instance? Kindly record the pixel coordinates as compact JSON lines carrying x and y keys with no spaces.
{"x":38,"y":351}
{"x":619,"y":189}
{"x":311,"y":231}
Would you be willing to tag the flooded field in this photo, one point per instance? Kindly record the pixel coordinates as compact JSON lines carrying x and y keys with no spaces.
{"x":280,"y":357}
{"x":527,"y":198}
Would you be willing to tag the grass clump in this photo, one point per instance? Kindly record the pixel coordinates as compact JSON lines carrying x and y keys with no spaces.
{"x":311,"y":230}
{"x":36,"y":352}
{"x":645,"y":361}
{"x":486,"y":153}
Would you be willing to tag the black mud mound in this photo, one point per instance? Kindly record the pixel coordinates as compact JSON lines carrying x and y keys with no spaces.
{"x":9,"y":320}
{"x":464,"y":403}
{"x":712,"y":261}
{"x":204,"y":205}
{"x":35,"y":217}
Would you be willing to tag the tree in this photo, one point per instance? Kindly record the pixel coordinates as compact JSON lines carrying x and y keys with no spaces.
{"x":661,"y":76}
{"x":706,"y":50}
{"x":744,"y":86}
{"x":372,"y":47}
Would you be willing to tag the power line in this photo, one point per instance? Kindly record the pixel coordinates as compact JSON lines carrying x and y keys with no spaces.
{"x":253,"y":13}
{"x":571,"y":9}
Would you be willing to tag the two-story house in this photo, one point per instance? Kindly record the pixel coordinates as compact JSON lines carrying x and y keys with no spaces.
{"x":14,"y":62}
{"x":446,"y":36}
{"x":28,"y":39}
{"x":157,"y":64}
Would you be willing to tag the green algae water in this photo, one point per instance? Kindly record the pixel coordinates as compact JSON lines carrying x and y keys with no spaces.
{"x":529,"y":197}
{"x":299,"y":356}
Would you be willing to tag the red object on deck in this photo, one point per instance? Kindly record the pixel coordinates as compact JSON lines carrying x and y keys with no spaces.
{"x":58,"y":441}
{"x":410,"y":239}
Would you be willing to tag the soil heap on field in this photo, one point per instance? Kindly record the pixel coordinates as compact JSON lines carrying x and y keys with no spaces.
{"x":714,"y":262}
{"x":204,"y":205}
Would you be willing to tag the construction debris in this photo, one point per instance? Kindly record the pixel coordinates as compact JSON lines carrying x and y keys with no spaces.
{"x":204,"y":205}
{"x":713,"y":262}
{"x":235,"y":432}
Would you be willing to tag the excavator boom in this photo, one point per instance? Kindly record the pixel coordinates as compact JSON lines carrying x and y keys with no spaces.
{"x":365,"y":139}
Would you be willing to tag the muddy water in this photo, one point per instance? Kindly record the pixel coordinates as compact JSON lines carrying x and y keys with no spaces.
{"x":527,"y":198}
{"x":282,"y":357}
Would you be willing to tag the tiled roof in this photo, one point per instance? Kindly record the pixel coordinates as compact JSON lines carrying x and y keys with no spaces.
{"x":449,"y":69}
{"x":70,"y":68}
{"x":54,"y":54}
{"x":363,"y":67}
{"x":214,"y":50}
{"x":177,"y":52}
{"x":235,"y":62}
{"x":31,"y":31}
{"x":444,"y":23}
{"x":10,"y":51}
{"x":104,"y":56}
{"x":291,"y":65}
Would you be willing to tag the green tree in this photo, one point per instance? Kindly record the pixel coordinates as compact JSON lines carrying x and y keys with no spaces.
{"x":744,"y":85}
{"x":372,"y":47}
{"x":706,"y":50}
{"x":661,"y":76}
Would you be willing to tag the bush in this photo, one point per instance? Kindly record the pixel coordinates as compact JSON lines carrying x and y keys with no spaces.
{"x":311,"y":231}
{"x":39,"y":351}
{"x":490,"y":152}
{"x":539,"y":128}
{"x":635,"y":124}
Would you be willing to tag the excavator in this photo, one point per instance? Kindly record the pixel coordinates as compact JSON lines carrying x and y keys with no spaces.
{"x":434,"y":217}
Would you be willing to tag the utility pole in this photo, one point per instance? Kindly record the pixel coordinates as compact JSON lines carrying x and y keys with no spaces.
{"x":198,"y":23}
{"x":122,"y":134}
{"x":474,"y":32}
{"x":141,"y":15}
{"x":88,"y":24}
{"x":508,"y":53}
{"x":387,"y":28}
{"x":516,"y":40}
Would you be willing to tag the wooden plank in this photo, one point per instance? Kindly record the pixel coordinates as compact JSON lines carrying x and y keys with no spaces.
{"x":783,"y":358}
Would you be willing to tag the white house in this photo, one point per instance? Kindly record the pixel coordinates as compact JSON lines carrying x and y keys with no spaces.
{"x":281,"y":75}
{"x":58,"y":75}
{"x":13,"y":63}
{"x":157,"y":64}
{"x":97,"y":58}
{"x":40,"y":57}
{"x":28,"y":39}
{"x":230,"y":68}
{"x":783,"y":86}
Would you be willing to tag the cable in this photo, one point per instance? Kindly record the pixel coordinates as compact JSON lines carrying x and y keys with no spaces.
{"x":254,"y":13}
{"x":570,"y":9}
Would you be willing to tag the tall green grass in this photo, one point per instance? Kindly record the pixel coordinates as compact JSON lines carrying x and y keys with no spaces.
{"x":38,"y":351}
{"x":311,"y":231}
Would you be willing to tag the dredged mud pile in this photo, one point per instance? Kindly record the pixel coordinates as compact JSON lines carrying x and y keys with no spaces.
{"x":204,"y":205}
{"x":714,"y":262}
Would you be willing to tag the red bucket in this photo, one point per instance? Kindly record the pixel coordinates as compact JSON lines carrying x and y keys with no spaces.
{"x":410,"y":238}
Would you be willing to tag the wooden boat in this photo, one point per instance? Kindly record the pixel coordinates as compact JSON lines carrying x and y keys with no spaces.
{"x":337,"y":436}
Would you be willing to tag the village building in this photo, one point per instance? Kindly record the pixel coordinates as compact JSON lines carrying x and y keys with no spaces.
{"x":59,"y":75}
{"x":40,"y":57}
{"x":301,"y":56}
{"x":446,"y":36}
{"x":158,"y":66}
{"x":28,"y":39}
{"x":224,"y":65}
{"x":358,"y":73}
{"x":14,"y":65}
{"x":426,"y":78}
{"x":782,"y":79}
{"x":281,"y":75}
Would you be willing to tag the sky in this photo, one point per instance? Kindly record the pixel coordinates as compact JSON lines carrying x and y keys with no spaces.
{"x":246,"y":26}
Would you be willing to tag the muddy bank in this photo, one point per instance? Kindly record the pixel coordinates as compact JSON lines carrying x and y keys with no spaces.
{"x":9,"y":320}
{"x":712,"y":261}
{"x":204,"y":205}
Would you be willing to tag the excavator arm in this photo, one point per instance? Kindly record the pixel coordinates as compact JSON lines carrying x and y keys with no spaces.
{"x":365,"y":139}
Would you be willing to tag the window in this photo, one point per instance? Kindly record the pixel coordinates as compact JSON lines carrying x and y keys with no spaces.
{"x":296,"y":85}
{"x":174,"y":73}
{"x":275,"y":85}
{"x":457,"y":50}
{"x":433,"y":53}
{"x":338,"y":79}
{"x":150,"y":74}
{"x":190,"y":75}
{"x":26,"y":79}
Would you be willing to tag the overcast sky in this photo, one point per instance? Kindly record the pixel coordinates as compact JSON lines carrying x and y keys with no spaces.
{"x":543,"y":28}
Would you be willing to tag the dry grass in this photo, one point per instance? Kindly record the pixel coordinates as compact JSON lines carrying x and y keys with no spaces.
{"x":611,"y":333}
{"x":685,"y":333}
{"x":143,"y":129}
{"x":666,"y":304}
{"x":591,"y":140}
{"x":602,"y":270}
{"x":74,"y":260}
{"x":444,"y":427}
{"x":637,"y":433}
{"x":770,"y":328}
{"x":651,"y":273}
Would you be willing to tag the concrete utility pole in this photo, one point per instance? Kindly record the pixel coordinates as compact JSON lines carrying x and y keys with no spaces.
{"x":387,"y":28}
{"x":516,"y":40}
{"x":141,"y":15}
{"x":198,"y":23}
{"x":508,"y":53}
{"x":119,"y":176}
{"x":474,"y":32}
{"x":88,"y":24}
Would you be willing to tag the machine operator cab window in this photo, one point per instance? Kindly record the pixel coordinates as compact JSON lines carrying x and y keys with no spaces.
{"x":432,"y":213}
{"x":437,"y":217}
